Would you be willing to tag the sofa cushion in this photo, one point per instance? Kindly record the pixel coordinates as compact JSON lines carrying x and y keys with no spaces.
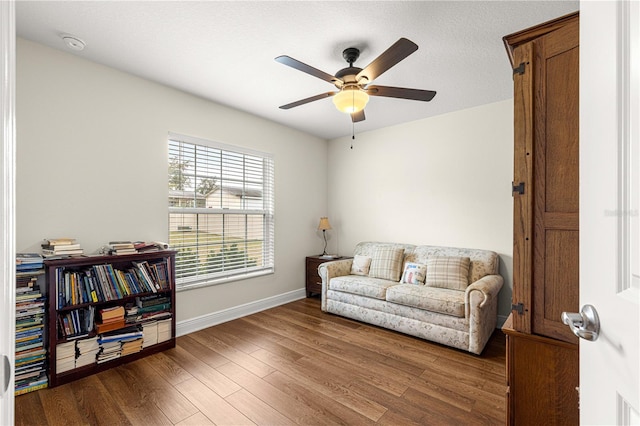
{"x":448,"y":272}
{"x":360,"y":265}
{"x":386,"y":263}
{"x":442,"y":300}
{"x":483,"y":262}
{"x":414,"y":273}
{"x":364,"y":286}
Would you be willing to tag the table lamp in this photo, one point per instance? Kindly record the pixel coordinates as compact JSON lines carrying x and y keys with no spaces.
{"x":323,"y":226}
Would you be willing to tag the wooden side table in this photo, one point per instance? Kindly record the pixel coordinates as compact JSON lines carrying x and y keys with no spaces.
{"x":313,"y":280}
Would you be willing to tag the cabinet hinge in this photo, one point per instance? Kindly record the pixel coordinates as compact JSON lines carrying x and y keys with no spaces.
{"x":518,"y":307}
{"x":519,"y":69}
{"x":519,"y":188}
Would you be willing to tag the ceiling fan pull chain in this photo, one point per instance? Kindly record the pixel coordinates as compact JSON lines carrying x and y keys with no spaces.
{"x":353,"y":133}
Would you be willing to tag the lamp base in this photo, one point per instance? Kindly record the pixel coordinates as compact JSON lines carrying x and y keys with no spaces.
{"x":329,"y":256}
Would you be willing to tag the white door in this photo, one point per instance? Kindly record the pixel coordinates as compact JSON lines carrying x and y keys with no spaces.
{"x":7,"y":206}
{"x":609,"y":192}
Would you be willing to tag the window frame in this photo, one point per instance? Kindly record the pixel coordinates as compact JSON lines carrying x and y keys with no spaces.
{"x":203,"y":279}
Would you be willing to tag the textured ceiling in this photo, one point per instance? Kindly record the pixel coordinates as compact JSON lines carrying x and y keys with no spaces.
{"x":224,"y":51}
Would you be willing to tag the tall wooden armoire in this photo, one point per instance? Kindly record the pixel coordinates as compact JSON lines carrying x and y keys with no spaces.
{"x":542,"y":352}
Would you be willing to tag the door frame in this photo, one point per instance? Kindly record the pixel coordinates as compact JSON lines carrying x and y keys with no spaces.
{"x":7,"y":206}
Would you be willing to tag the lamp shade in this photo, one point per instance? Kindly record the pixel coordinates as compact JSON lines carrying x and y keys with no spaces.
{"x":324,"y":224}
{"x":350,"y":100}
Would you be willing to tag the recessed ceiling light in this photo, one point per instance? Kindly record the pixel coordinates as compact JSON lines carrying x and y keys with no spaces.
{"x":73,"y":42}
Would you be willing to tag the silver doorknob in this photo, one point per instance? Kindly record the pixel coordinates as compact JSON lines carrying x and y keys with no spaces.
{"x":585,"y":325}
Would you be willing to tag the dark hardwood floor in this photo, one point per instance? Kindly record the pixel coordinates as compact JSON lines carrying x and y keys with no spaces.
{"x":288,"y":365}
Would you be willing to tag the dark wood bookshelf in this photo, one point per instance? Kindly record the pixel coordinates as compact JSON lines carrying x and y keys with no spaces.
{"x":82,"y":263}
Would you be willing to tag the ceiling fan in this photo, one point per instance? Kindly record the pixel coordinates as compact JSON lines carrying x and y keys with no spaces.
{"x":353,"y":82}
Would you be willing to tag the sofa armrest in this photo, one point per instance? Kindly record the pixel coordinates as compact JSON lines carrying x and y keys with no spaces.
{"x":489,"y":286}
{"x":481,"y":309}
{"x":328,"y":270}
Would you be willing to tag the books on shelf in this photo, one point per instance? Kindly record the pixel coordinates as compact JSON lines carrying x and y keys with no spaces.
{"x":145,"y":247}
{"x":119,"y":343}
{"x":110,"y":325}
{"x":116,"y":248}
{"x":164,"y":330}
{"x":76,"y":323}
{"x":121,"y":247}
{"x":30,"y":371}
{"x":87,"y":351}
{"x":149,"y":333}
{"x":65,"y":356}
{"x":103,"y":282}
{"x":111,"y":319}
{"x":61,"y":247}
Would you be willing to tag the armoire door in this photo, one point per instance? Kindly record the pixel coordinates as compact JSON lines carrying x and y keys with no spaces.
{"x":555,"y":181}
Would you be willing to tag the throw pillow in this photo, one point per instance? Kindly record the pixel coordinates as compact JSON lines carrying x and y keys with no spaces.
{"x":360,"y":265}
{"x":448,"y":272}
{"x":414,"y":273}
{"x":386,"y":263}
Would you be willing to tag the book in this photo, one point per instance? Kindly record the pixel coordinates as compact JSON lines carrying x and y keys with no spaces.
{"x":114,"y":312}
{"x":25,"y":258}
{"x":121,"y":244}
{"x":59,"y":241}
{"x":110,"y":326}
{"x":61,"y":247}
{"x":61,"y":252}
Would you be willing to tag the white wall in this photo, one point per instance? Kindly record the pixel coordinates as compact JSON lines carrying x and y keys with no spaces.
{"x":92,"y":164}
{"x":441,"y":181}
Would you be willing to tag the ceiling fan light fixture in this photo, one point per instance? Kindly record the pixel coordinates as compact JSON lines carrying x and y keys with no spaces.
{"x":350,"y":99}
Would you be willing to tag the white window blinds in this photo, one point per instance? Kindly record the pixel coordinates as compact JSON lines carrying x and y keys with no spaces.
{"x":220,"y":211}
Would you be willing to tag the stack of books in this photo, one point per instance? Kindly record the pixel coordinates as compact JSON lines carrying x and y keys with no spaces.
{"x":149,"y":333}
{"x":149,"y":308}
{"x":112,"y":344}
{"x":65,"y":356}
{"x":155,"y":332}
{"x":28,"y":262}
{"x":109,"y":351}
{"x":145,"y":247}
{"x":111,"y":319}
{"x":61,"y":247}
{"x":30,"y":358}
{"x":87,"y":351}
{"x":164,"y":330}
{"x":131,"y":346}
{"x":121,"y":247}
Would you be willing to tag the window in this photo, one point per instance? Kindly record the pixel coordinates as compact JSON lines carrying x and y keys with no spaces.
{"x":220,"y":211}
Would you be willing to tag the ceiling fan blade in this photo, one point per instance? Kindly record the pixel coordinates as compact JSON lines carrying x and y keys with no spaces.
{"x":300,"y":66}
{"x":357,"y":116}
{"x":307,"y":100}
{"x":401,"y":92}
{"x":397,"y":52}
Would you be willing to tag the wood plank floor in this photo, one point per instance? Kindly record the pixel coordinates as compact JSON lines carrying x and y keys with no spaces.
{"x":288,"y":365}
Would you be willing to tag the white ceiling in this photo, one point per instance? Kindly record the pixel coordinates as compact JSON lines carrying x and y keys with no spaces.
{"x":224,"y":50}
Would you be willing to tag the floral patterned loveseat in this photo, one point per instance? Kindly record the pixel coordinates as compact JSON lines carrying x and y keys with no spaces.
{"x":444,"y":294}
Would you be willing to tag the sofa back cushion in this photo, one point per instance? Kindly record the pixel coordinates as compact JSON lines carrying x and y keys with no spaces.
{"x":482,"y":262}
{"x":448,"y":272}
{"x":386,"y":263}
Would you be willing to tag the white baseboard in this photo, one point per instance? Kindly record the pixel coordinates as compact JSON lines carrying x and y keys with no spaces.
{"x":214,"y":318}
